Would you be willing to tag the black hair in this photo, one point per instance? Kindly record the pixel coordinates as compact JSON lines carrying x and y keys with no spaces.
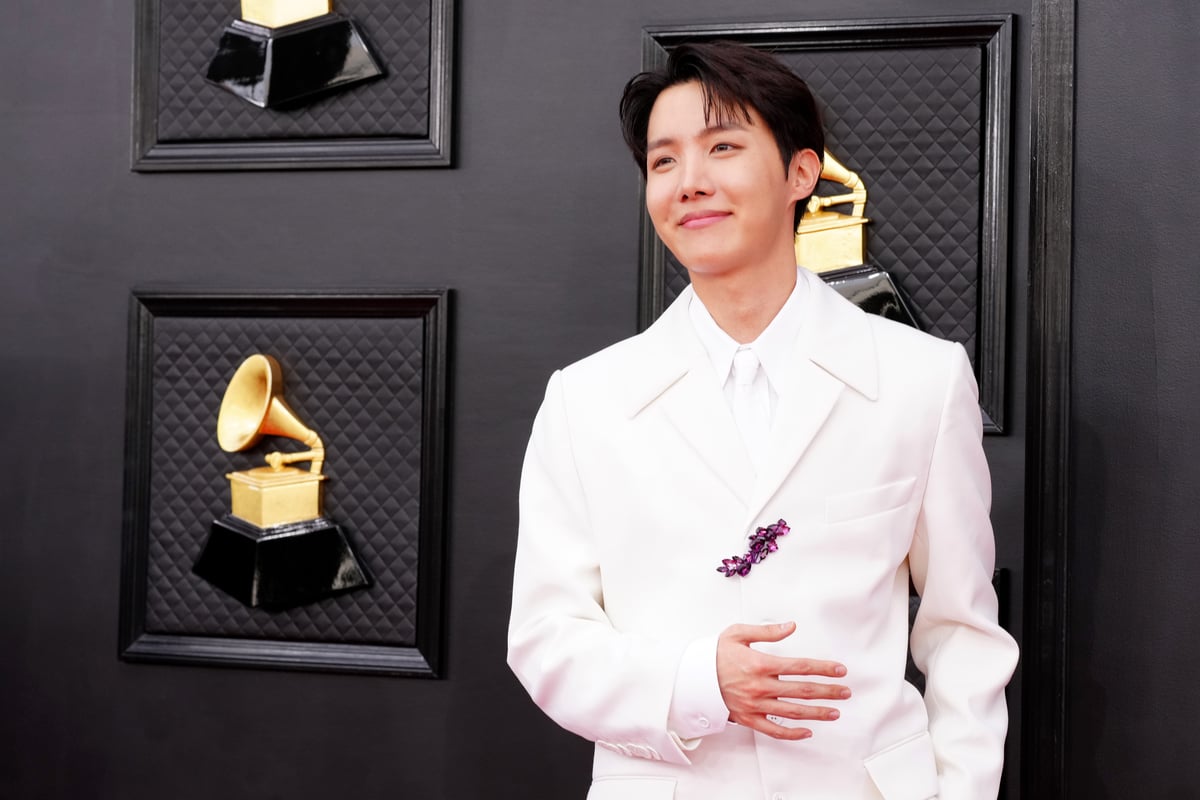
{"x":734,"y":79}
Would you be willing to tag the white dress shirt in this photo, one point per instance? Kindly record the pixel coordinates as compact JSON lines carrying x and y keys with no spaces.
{"x":697,"y":708}
{"x":773,"y":349}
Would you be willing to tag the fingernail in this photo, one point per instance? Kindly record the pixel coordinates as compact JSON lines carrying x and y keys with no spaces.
{"x":834,"y":715}
{"x":839,"y":671}
{"x":844,"y":693}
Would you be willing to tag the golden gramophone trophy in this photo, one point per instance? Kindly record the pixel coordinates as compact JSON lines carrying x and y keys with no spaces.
{"x":284,"y":52}
{"x":834,"y":245}
{"x":276,"y":549}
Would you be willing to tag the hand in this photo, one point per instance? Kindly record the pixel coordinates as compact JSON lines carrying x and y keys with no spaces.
{"x":751,"y":685}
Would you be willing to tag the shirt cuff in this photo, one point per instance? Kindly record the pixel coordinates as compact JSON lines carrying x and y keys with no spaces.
{"x":697,"y":708}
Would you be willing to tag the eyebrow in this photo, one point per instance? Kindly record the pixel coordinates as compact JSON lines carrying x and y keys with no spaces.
{"x":708,"y":131}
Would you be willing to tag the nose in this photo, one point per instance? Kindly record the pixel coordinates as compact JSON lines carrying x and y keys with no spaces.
{"x":694,"y":180}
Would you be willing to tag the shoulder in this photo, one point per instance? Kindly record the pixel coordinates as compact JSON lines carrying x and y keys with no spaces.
{"x":599,"y":388}
{"x":604,"y":364}
{"x":881,"y":358}
{"x":606,"y":384}
{"x":899,"y":340}
{"x":629,"y":372}
{"x":922,"y":373}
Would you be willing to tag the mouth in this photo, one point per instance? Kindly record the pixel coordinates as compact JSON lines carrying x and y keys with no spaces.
{"x":702,"y":219}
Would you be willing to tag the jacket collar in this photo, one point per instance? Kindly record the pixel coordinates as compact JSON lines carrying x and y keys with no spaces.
{"x":835,"y":350}
{"x":836,"y":337}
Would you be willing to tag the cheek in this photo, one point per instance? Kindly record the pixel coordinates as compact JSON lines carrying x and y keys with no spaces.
{"x":658,"y":206}
{"x":764,"y":201}
{"x":658,"y":198}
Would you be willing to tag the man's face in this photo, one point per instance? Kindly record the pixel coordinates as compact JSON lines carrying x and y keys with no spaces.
{"x":717,"y":192}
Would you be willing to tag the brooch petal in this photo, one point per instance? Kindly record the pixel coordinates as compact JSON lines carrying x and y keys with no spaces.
{"x":763,"y":542}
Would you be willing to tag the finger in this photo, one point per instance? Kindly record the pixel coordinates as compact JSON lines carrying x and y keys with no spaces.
{"x":774,"y":730}
{"x":811,"y":666}
{"x":786,"y":710}
{"x":759,"y":633}
{"x":809,"y":690}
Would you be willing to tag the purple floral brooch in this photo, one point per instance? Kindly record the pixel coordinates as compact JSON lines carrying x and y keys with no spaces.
{"x":763,"y":542}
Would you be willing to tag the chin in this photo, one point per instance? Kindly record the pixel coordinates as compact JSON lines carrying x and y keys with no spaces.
{"x":704,"y":262}
{"x":708,"y":267}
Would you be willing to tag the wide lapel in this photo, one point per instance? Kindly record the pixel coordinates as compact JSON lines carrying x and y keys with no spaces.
{"x":796,"y":424}
{"x":834,"y":353}
{"x":696,"y":406}
{"x":676,"y":377}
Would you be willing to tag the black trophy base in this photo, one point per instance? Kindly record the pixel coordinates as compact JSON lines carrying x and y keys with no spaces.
{"x":279,"y":567}
{"x":872,"y":289}
{"x":279,"y":67}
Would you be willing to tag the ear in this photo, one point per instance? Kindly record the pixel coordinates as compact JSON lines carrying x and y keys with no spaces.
{"x":803,"y":173}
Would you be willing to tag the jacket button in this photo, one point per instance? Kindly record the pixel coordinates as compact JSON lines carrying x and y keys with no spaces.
{"x":702,"y":722}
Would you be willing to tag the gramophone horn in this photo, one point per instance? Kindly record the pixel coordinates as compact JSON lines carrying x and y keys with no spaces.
{"x":253,"y":406}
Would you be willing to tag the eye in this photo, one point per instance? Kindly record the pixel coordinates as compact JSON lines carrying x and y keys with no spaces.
{"x":723,"y":147}
{"x":662,"y":161}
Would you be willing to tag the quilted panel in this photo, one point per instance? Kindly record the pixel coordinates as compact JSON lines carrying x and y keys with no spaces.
{"x":909,"y":121}
{"x":676,"y":277}
{"x":358,"y":383}
{"x":191,"y":109}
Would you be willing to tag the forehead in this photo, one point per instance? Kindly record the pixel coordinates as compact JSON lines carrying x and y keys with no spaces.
{"x":682,"y":110}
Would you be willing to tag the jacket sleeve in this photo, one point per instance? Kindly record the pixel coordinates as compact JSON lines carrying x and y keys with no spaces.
{"x":967,"y":658}
{"x":608,"y":686}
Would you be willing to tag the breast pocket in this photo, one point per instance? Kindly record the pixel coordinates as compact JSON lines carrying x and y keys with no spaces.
{"x":632,"y":788}
{"x":906,"y":770}
{"x":868,"y":502}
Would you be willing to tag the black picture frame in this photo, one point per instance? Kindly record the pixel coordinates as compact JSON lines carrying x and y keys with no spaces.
{"x":993,"y":34}
{"x":1047,"y":585}
{"x":307,"y":151}
{"x":426,"y":310}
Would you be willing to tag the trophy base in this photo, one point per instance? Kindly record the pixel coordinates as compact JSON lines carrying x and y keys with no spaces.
{"x":267,"y":497}
{"x":872,"y":289}
{"x":827,"y":241}
{"x":277,"y":67}
{"x":279,"y":567}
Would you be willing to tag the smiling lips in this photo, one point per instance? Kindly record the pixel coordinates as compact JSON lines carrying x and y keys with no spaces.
{"x":702,"y":219}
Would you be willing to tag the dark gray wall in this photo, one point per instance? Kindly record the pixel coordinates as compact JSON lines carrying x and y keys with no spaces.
{"x":1135,"y":548}
{"x":536,"y":230}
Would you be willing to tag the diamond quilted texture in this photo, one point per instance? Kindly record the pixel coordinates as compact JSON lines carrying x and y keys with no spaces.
{"x":909,"y":121}
{"x":191,"y":109}
{"x":676,"y":276}
{"x":358,"y":383}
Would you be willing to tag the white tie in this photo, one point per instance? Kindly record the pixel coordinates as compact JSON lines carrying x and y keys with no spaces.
{"x":751,"y":404}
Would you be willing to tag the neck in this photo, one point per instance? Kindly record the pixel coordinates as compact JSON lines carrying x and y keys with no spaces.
{"x":743,"y":302}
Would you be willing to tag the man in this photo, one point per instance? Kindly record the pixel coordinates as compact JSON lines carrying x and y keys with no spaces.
{"x":720,"y":517}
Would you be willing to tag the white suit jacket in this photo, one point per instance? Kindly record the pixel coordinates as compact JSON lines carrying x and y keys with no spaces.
{"x":636,"y":484}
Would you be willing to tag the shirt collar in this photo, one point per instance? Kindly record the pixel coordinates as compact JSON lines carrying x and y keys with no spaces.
{"x":773,"y":347}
